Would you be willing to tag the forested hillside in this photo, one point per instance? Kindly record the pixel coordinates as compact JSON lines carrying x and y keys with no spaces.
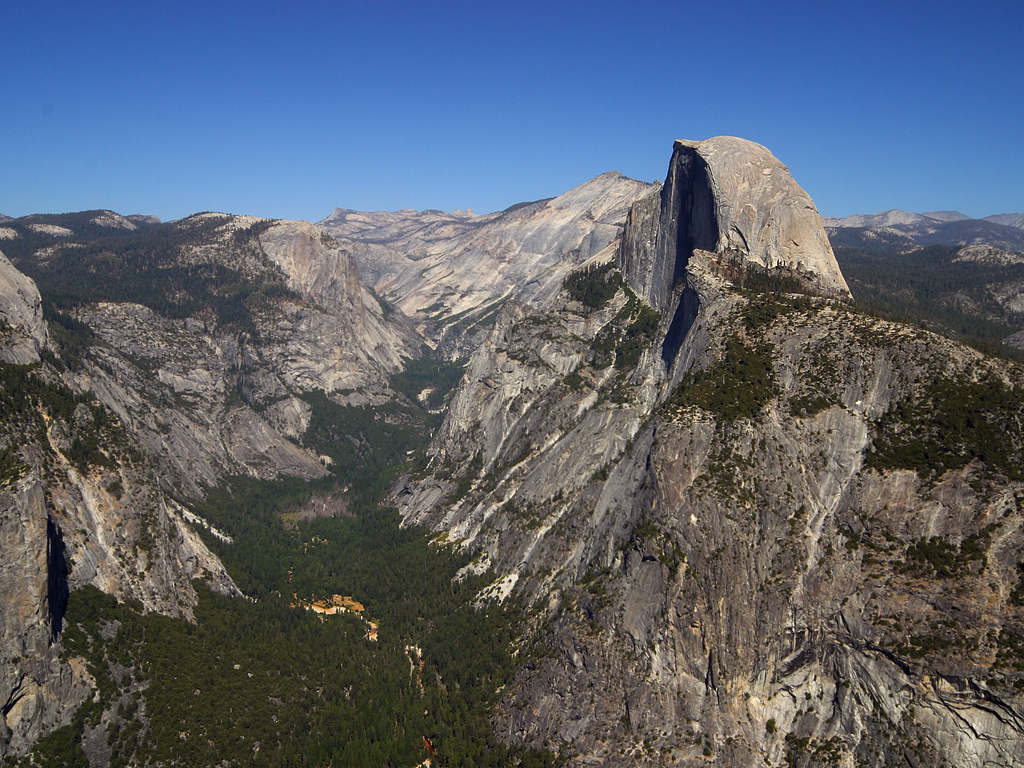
{"x":977,"y":300}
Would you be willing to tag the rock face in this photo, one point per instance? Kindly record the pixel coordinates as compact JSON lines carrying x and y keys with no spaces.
{"x":21,"y":317}
{"x":726,"y":195}
{"x":716,"y":513}
{"x":450,"y":271}
{"x":318,"y":268}
{"x":761,"y":211}
{"x":315,"y":266}
{"x":70,"y":516}
{"x":216,"y":327}
{"x":752,"y":525}
{"x":63,"y":528}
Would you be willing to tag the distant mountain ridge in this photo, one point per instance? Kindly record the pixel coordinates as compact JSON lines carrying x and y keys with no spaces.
{"x":939,"y":269}
{"x":946,"y":215}
{"x":898,"y":217}
{"x":904,"y":229}
{"x":1008,"y":219}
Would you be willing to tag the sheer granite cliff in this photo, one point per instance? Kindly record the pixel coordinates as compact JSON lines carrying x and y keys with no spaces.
{"x":21,"y":317}
{"x":755,"y":528}
{"x":751,"y":525}
{"x":725,"y":195}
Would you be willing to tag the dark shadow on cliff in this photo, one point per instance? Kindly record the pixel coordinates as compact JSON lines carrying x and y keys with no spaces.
{"x":688,"y":200}
{"x":56,"y":577}
{"x":682,"y":321}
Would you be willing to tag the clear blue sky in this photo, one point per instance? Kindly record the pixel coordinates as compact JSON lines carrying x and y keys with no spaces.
{"x":290,"y":109}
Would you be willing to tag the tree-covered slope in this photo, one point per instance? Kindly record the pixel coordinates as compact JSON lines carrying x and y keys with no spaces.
{"x":974,"y":293}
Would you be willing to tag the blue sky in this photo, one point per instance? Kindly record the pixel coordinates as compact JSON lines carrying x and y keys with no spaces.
{"x":289,"y":110}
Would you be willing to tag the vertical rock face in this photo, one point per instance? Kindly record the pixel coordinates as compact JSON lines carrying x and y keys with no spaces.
{"x":61,"y":529}
{"x":67,"y":522}
{"x":22,"y":328}
{"x":37,"y":689}
{"x":725,"y":195}
{"x":314,"y":263}
{"x":317,"y":267}
{"x":663,"y":230}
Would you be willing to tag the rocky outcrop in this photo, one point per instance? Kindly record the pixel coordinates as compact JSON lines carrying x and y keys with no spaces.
{"x":113,"y":220}
{"x":725,"y":195}
{"x":315,"y":265}
{"x":988,"y":255}
{"x":318,"y":267}
{"x":23,"y":332}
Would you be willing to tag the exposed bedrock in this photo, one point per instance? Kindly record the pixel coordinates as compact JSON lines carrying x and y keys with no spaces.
{"x":725,"y":195}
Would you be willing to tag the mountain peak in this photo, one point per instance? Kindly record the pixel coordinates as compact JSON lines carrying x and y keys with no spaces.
{"x":605,"y":193}
{"x":894,"y":217}
{"x":761,"y":211}
{"x":726,"y":194}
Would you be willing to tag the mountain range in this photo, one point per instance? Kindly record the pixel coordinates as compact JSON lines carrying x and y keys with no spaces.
{"x":897,"y":217}
{"x":902,"y":228}
{"x":641,"y":474}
